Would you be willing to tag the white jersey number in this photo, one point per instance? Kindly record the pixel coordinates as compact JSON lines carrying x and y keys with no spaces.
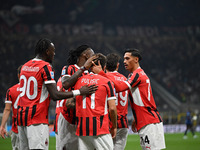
{"x":92,"y":101}
{"x":123,"y":99}
{"x":27,"y":86}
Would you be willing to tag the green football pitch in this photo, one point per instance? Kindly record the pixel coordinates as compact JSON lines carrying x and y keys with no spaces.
{"x":173,"y":142}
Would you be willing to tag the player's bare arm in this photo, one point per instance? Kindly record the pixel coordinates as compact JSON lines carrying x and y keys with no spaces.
{"x":133,"y":126}
{"x":6,"y":114}
{"x":113,"y":116}
{"x":70,"y":103}
{"x":58,"y":95}
{"x":68,"y":82}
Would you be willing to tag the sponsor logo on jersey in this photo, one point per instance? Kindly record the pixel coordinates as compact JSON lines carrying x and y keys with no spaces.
{"x":63,"y":72}
{"x":52,"y":74}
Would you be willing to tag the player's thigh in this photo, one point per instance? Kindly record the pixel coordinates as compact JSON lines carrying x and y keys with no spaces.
{"x":100,"y":142}
{"x":23,"y":140}
{"x":152,"y":136}
{"x":15,"y":140}
{"x":38,"y":136}
{"x":121,"y":138}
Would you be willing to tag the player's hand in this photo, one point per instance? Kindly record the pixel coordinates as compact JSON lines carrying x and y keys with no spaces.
{"x":113,"y":132}
{"x":70,"y":102}
{"x":3,"y":132}
{"x":96,"y":68}
{"x":134,"y":129}
{"x":90,"y":61}
{"x":87,"y":90}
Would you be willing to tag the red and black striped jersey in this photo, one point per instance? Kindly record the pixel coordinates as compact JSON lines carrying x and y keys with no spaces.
{"x":12,"y":97}
{"x":141,"y":98}
{"x":92,"y":110}
{"x":59,"y":105}
{"x":70,"y":113}
{"x":121,"y":102}
{"x":34,"y":101}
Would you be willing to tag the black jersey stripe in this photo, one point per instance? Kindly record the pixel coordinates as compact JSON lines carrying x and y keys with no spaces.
{"x":21,"y":121}
{"x":158,"y":116}
{"x":26,"y":115}
{"x":122,"y":121}
{"x":111,"y":89}
{"x":135,"y":79}
{"x":81,"y":126}
{"x":101,"y":120}
{"x":94,"y":126}
{"x":47,"y":72}
{"x":87,"y":126}
{"x":33,"y":111}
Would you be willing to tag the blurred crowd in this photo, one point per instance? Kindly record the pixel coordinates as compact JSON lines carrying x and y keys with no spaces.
{"x":169,"y":42}
{"x":172,"y":61}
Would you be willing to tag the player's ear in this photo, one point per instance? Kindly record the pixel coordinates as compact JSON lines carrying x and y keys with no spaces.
{"x":104,"y":68}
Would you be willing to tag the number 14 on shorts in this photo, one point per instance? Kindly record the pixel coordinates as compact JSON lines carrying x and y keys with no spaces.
{"x":144,"y":141}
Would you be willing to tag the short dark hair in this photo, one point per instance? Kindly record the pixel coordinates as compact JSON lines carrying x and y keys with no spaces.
{"x":112,"y":61}
{"x":74,"y":54}
{"x":134,"y":52}
{"x":101,"y":58}
{"x":42,"y":45}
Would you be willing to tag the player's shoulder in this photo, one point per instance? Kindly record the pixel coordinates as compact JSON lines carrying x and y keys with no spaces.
{"x":35,"y":63}
{"x":116,"y":75}
{"x":14,"y":88}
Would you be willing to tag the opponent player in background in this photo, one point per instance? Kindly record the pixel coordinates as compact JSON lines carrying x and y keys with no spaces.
{"x":147,"y":121}
{"x":93,"y":112}
{"x":38,"y":87}
{"x":67,"y":118}
{"x":11,"y":101}
{"x":112,"y":66}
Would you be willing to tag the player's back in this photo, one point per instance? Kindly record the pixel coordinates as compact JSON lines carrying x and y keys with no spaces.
{"x":92,"y":110}
{"x":12,"y":96}
{"x":34,"y":100}
{"x":121,"y":102}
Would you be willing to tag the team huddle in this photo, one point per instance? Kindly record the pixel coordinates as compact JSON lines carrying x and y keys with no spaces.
{"x":92,"y":102}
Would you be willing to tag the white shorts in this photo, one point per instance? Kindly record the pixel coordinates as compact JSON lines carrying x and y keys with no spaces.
{"x":100,"y":142}
{"x":57,"y":141}
{"x":120,"y":140}
{"x":152,"y":137}
{"x":67,"y":134}
{"x":34,"y":137}
{"x":15,"y":141}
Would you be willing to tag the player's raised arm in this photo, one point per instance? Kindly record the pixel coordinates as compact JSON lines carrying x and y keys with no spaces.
{"x":58,"y":95}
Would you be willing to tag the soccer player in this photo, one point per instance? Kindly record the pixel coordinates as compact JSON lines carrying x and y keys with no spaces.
{"x":147,"y":121}
{"x":67,"y":118}
{"x":93,"y":112}
{"x":59,"y":105}
{"x":189,"y":125}
{"x":38,"y":87}
{"x":12,"y":97}
{"x":112,"y":66}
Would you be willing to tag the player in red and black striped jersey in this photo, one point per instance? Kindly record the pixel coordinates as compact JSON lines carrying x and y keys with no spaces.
{"x":59,"y":106}
{"x":37,"y":86}
{"x":93,"y":112}
{"x":12,"y":98}
{"x":146,"y":116}
{"x":112,"y":66}
{"x":66,"y":121}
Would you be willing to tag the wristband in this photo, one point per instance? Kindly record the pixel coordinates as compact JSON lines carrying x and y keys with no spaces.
{"x":76,"y":92}
{"x":83,"y":68}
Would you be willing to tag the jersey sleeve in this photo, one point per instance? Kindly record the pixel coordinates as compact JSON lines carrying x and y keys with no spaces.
{"x":119,"y":85}
{"x":8,"y":97}
{"x":48,"y":74}
{"x":111,"y":92}
{"x":134,"y":80}
{"x":68,"y":71}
